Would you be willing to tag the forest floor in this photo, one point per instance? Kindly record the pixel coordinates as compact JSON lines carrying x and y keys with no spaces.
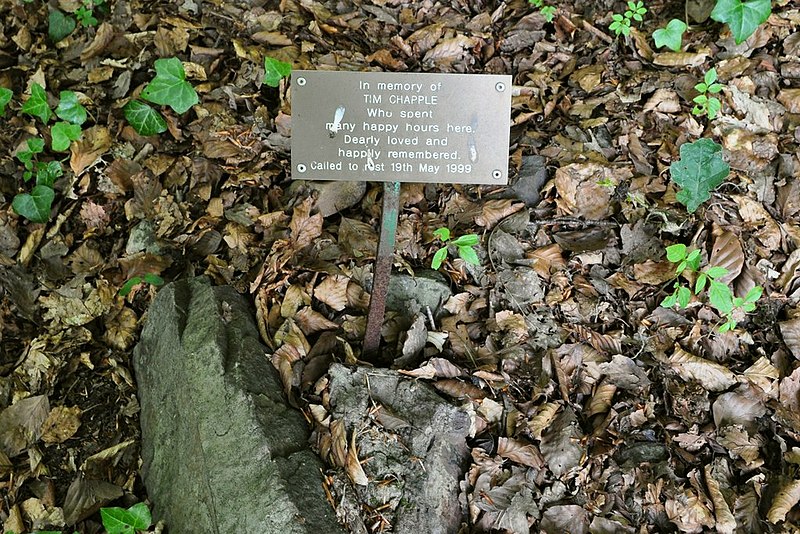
{"x":596,"y":408}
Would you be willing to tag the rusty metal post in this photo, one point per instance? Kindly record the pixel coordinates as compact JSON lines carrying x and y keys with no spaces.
{"x":383,"y":269}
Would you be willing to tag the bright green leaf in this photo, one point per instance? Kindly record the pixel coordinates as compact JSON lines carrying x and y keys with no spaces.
{"x":46,"y":173}
{"x":700,"y":285}
{"x":139,"y":511}
{"x":5,"y":98}
{"x":716,"y":272}
{"x":670,"y":301}
{"x":121,"y":521}
{"x":684,"y":295}
{"x":467,"y":240}
{"x":671,"y":36}
{"x":144,"y":119}
{"x":549,"y":13}
{"x":698,"y":172}
{"x":153,"y":279}
{"x":169,"y":87}
{"x":275,"y":70}
{"x":63,"y":133}
{"x":676,"y":253}
{"x":469,"y":255}
{"x":710,"y":76}
{"x":730,"y":324}
{"x":69,"y":109}
{"x":59,"y":25}
{"x":36,"y":105}
{"x":35,"y":206}
{"x":742,"y":17}
{"x":439,"y":258}
{"x":129,"y":285}
{"x":693,"y":259}
{"x":754,"y":294}
{"x":720,"y":296}
{"x":442,"y":233}
{"x":712,"y":107}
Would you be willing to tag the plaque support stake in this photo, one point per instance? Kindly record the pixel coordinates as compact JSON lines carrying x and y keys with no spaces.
{"x":383,"y":269}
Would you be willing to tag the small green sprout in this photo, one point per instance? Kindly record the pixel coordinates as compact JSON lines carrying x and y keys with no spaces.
{"x":148,"y":278}
{"x":548,"y":12}
{"x":720,"y":295}
{"x":707,"y":105}
{"x":621,"y":24}
{"x":463,"y":243}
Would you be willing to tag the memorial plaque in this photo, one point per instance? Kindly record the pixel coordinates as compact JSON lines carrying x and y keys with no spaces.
{"x":400,"y":127}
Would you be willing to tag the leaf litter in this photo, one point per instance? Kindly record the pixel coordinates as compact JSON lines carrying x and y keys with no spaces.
{"x":595,"y":410}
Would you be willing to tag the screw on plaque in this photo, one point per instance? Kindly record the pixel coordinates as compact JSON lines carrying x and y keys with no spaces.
{"x":301,"y":81}
{"x":301,"y":167}
{"x":336,"y":125}
{"x":500,"y":87}
{"x":497,"y":174}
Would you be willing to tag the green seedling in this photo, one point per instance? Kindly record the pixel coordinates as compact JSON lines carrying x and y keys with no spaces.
{"x":85,"y":13}
{"x":621,"y":24}
{"x":706,"y":103}
{"x":671,"y":36}
{"x":699,"y":171}
{"x":742,"y":17}
{"x":168,"y":88}
{"x":148,"y":278}
{"x":720,"y":295}
{"x":275,"y":70}
{"x":465,"y":245}
{"x":549,"y":12}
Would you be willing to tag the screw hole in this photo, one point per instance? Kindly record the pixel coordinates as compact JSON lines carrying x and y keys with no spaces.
{"x":301,"y":81}
{"x":500,"y":86}
{"x":301,"y":167}
{"x":496,"y":174}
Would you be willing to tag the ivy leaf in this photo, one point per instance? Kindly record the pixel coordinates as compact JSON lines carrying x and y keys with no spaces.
{"x":698,"y":172}
{"x":144,"y":119}
{"x":69,"y":109}
{"x":169,"y":87}
{"x":742,"y":17}
{"x":59,"y":25}
{"x":275,"y":70}
{"x":46,"y":173}
{"x":63,"y":134}
{"x":671,"y":36}
{"x":121,"y":521}
{"x":35,"y":206}
{"x":36,"y":105}
{"x":5,"y":98}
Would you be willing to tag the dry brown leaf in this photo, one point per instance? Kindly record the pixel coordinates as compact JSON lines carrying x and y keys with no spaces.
{"x":681,"y":59}
{"x":494,"y":211}
{"x":727,"y":253}
{"x":458,"y":389}
{"x":353,"y":467}
{"x":333,"y":291}
{"x":94,"y":142}
{"x":61,"y":424}
{"x":435,"y":367}
{"x":304,"y":226}
{"x":790,"y":98}
{"x":726,"y":523}
{"x":311,"y":321}
{"x":21,"y":424}
{"x":520,"y":452}
{"x":663,"y":101}
{"x":786,"y":498}
{"x":790,"y":330}
{"x":544,"y":416}
{"x":579,"y":190}
{"x":389,"y":420}
{"x":711,"y":375}
{"x":338,"y":443}
{"x":295,"y":298}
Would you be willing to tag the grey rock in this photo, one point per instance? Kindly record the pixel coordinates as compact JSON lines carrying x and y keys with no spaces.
{"x":222,"y":451}
{"x":417,"y":457}
{"x":411,"y":294}
{"x":530,"y":180}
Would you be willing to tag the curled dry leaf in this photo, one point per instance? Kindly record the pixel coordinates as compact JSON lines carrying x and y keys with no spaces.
{"x":61,"y":424}
{"x":338,"y":443}
{"x":354,"y":469}
{"x":790,"y":330}
{"x":435,"y":368}
{"x":544,"y":416}
{"x":726,"y":523}
{"x":601,"y":400}
{"x":459,"y":390}
{"x":786,"y":498}
{"x":494,"y":211}
{"x":333,"y":291}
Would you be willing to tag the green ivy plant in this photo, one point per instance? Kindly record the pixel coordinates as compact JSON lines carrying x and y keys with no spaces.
{"x":5,"y":98}
{"x":699,"y":171}
{"x":35,"y":206}
{"x":168,"y":88}
{"x":548,"y":12}
{"x":742,"y":16}
{"x":275,"y":70}
{"x":116,"y":520}
{"x":706,"y":103}
{"x":465,"y":245}
{"x":720,"y":295}
{"x":621,"y":24}
{"x":85,"y":13}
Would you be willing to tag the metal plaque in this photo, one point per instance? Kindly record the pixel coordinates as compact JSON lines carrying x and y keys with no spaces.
{"x":400,"y":127}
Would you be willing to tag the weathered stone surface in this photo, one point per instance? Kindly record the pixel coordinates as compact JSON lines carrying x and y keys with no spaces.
{"x":222,"y":450}
{"x":417,"y":456}
{"x":412,"y":294}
